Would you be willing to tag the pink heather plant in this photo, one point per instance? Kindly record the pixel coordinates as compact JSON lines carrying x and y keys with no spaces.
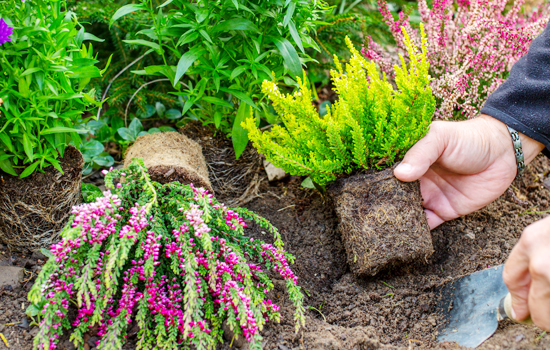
{"x":472,"y":45}
{"x":169,"y":257}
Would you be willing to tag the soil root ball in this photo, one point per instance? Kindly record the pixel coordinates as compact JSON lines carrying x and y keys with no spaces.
{"x":33,"y":210}
{"x":169,"y":157}
{"x":382,"y":222}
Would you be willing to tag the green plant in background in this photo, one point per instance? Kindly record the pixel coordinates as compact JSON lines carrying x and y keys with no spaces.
{"x":225,"y":50}
{"x":45,"y":71}
{"x":371,"y":125}
{"x":119,"y":84}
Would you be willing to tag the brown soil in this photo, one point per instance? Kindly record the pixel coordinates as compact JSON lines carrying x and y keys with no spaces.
{"x":381,"y":221}
{"x":33,"y":210}
{"x":170,"y":156}
{"x":394,"y":310}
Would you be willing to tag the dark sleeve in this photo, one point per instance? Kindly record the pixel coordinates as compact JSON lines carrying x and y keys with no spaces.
{"x":523,"y":100}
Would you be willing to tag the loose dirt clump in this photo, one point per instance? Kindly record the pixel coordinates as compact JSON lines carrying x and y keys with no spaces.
{"x":171,"y":156}
{"x":382,"y":221}
{"x":34,"y":209}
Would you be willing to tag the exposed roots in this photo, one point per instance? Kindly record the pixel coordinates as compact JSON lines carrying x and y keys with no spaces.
{"x":33,"y":210}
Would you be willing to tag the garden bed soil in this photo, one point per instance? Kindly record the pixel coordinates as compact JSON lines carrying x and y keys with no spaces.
{"x":394,"y":310}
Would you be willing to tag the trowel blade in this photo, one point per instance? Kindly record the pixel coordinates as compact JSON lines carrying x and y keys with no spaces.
{"x":468,"y":306}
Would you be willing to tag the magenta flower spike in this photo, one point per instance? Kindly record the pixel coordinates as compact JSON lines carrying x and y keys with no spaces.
{"x":130,"y":257}
{"x":5,"y":32}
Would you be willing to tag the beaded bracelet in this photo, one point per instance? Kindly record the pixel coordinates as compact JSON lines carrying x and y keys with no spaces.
{"x":518,"y":149}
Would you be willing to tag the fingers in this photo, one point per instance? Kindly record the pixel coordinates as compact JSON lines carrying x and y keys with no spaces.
{"x":518,"y":280}
{"x":539,"y":293}
{"x":527,"y":275}
{"x":423,"y":154}
{"x":433,"y":219}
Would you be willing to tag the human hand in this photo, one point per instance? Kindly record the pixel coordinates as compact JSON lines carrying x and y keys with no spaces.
{"x":527,"y":275}
{"x":463,"y":166}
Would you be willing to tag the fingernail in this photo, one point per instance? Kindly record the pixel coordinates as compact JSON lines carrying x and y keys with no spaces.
{"x":514,"y":314}
{"x":404,"y":168}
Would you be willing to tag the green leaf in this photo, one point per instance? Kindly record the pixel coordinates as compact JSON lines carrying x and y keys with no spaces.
{"x":135,"y":127}
{"x":55,"y":164}
{"x":23,"y":88}
{"x":92,"y":148}
{"x":27,"y":146}
{"x":143,"y":43}
{"x":217,"y":101}
{"x":239,"y":135}
{"x":241,"y":96}
{"x":104,"y":161}
{"x":290,"y":56}
{"x":6,"y":166}
{"x":126,"y":134}
{"x":91,"y":37}
{"x":217,"y":119}
{"x":173,"y":114}
{"x":29,"y":170}
{"x":47,"y":253}
{"x":186,"y":61}
{"x":289,"y":13}
{"x":85,"y":72}
{"x":235,"y":24}
{"x":166,"y":128}
{"x":7,"y":141}
{"x":148,"y":112}
{"x":308,"y":183}
{"x":124,"y":10}
{"x":295,"y":35}
{"x":30,"y":71}
{"x":166,"y":3}
{"x":62,"y":129}
{"x":32,"y":310}
{"x":237,"y":71}
{"x":160,"y":108}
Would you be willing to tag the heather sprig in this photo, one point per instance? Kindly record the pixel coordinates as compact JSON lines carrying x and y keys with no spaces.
{"x":169,"y":257}
{"x":472,"y":46}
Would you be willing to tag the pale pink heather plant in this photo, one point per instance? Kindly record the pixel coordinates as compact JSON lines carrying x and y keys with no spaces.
{"x":472,"y":45}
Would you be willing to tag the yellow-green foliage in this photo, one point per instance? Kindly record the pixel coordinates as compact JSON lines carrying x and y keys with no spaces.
{"x":371,"y":125}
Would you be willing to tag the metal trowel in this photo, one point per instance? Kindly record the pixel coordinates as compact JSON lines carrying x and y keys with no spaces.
{"x":471,"y":307}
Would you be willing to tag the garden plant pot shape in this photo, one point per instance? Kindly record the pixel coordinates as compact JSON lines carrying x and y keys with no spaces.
{"x":381,"y":221}
{"x":171,"y":156}
{"x":33,"y":210}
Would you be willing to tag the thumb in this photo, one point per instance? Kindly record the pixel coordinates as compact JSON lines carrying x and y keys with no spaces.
{"x":518,"y":280}
{"x":423,"y":154}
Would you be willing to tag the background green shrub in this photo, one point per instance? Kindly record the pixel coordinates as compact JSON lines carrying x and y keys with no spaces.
{"x":46,"y":69}
{"x":216,"y":54}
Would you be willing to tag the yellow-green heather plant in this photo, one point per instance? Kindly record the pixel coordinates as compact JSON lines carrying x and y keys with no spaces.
{"x":371,"y":125}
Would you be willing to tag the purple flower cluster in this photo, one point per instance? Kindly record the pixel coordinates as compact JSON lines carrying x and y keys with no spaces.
{"x":109,"y":259}
{"x":5,"y":32}
{"x":472,"y":45}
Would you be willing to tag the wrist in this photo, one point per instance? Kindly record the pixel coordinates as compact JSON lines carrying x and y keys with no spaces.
{"x":531,"y":148}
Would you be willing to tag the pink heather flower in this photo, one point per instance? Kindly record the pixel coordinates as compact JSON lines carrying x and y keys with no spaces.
{"x":5,"y":32}
{"x":472,"y":46}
